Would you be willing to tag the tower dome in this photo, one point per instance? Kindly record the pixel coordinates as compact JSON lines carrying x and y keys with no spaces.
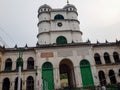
{"x":69,"y":6}
{"x":44,"y":7}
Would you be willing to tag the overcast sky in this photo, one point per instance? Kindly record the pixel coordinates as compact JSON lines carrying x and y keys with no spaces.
{"x":99,"y":19}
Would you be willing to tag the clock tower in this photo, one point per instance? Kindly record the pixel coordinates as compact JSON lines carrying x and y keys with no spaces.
{"x":59,"y":26}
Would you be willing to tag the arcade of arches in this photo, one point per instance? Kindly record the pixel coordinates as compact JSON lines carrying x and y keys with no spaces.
{"x":66,"y":70}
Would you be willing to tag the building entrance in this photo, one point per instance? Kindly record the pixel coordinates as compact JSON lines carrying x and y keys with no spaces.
{"x":67,"y":76}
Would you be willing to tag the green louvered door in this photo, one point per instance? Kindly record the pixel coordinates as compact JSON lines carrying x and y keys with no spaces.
{"x":86,"y":74}
{"x":47,"y":76}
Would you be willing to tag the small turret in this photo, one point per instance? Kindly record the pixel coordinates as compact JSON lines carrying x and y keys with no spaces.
{"x":44,"y":8}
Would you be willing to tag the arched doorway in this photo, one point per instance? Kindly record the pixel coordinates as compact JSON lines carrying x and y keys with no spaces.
{"x":67,"y":76}
{"x":47,"y":76}
{"x":6,"y":84}
{"x":86,"y":74}
{"x":102,"y":78}
{"x":112,"y":77}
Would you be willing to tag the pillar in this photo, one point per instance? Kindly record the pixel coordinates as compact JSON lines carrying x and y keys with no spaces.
{"x":57,"y":78}
{"x":78,"y":78}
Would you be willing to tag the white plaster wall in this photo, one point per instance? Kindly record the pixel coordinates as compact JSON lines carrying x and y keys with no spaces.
{"x":44,"y":27}
{"x":44,"y":16}
{"x":55,"y":27}
{"x":72,"y":15}
{"x":44,"y":38}
{"x":77,"y":37}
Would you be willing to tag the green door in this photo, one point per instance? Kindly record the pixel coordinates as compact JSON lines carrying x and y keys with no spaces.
{"x":47,"y":76}
{"x":86,"y":73}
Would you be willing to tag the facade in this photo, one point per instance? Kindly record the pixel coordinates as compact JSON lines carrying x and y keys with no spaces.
{"x":59,"y":52}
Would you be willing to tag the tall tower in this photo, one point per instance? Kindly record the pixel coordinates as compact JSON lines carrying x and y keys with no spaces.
{"x":59,"y":26}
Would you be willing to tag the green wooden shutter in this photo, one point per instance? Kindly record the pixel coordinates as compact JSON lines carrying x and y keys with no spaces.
{"x":86,"y":73}
{"x":47,"y":76}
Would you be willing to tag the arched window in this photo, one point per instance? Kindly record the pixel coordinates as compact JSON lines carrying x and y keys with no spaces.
{"x":58,"y":16}
{"x":8,"y":65}
{"x":97,"y":58}
{"x":6,"y":84}
{"x":116,"y":57}
{"x":107,"y":58}
{"x":16,"y":84}
{"x":61,"y":40}
{"x":30,"y":63}
{"x":112,"y":77}
{"x":102,"y":78}
{"x":17,"y":64}
{"x":30,"y":83}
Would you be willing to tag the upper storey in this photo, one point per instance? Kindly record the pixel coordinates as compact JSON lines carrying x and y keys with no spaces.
{"x":58,"y":22}
{"x":45,"y":12}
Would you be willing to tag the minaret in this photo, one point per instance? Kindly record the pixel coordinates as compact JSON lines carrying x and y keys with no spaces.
{"x":67,"y":1}
{"x":59,"y":26}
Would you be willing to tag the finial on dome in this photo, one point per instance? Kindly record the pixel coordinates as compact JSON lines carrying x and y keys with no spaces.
{"x":67,"y":1}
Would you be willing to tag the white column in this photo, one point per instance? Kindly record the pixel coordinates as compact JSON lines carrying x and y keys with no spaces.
{"x":112,"y":59}
{"x":12,"y":84}
{"x":14,"y":65}
{"x":25,"y":65}
{"x":73,"y":78}
{"x":78,"y":76}
{"x":40,"y":79}
{"x":95,"y":75}
{"x":102,"y":59}
{"x":36,"y":83}
{"x":107,"y":76}
{"x":116,"y":75}
{"x":57,"y":78}
{"x":24,"y":84}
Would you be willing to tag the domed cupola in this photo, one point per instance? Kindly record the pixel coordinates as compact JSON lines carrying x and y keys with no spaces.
{"x":70,"y":7}
{"x":44,"y":8}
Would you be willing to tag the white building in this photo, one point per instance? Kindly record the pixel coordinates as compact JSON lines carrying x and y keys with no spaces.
{"x":59,"y":52}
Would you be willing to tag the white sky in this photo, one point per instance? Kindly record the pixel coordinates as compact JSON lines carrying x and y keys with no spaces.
{"x":99,"y":19}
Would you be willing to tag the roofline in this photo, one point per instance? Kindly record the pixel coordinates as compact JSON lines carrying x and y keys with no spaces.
{"x":43,"y":46}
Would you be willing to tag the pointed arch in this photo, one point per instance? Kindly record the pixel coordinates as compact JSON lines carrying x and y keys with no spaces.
{"x":102,"y":78}
{"x":107,"y":58}
{"x":116,"y":57}
{"x":30,"y":83}
{"x":30,"y":63}
{"x":61,"y":40}
{"x":97,"y":58}
{"x":6,"y":84}
{"x":8,"y":65}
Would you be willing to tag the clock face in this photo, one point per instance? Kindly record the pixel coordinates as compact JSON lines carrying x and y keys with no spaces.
{"x":59,"y":24}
